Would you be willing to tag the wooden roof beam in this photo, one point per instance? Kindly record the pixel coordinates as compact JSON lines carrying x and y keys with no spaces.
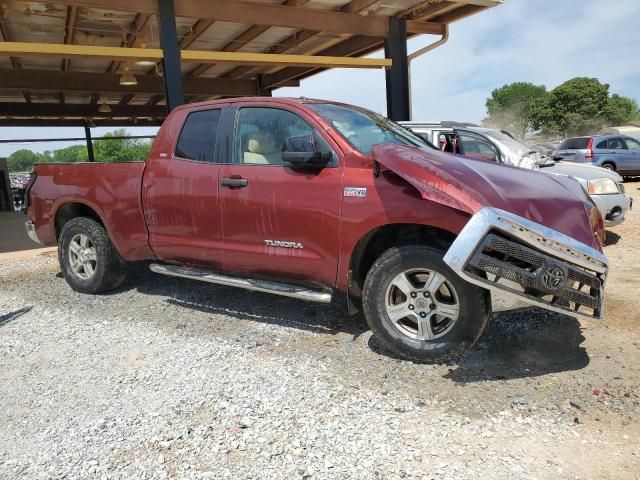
{"x":81,"y":122}
{"x":355,"y":6}
{"x":267,"y":14}
{"x":41,"y":110}
{"x":356,"y":46}
{"x":138,"y":24}
{"x":459,"y":13}
{"x":15,"y":61}
{"x":69,"y":33}
{"x":32,"y":49}
{"x":241,"y":40}
{"x":34,"y":80}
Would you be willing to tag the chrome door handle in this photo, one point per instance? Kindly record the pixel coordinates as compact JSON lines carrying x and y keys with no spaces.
{"x":235,"y":182}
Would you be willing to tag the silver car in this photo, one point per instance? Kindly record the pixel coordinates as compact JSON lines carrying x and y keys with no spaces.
{"x":604,"y":186}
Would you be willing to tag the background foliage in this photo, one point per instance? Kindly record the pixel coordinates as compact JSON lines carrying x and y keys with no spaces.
{"x":580,"y":106}
{"x":104,"y":151}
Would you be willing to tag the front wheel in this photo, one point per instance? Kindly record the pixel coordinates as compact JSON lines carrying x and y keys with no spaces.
{"x":87,"y":258}
{"x":419,"y":308}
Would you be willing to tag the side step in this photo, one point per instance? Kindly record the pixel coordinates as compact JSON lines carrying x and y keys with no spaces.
{"x":283,"y":289}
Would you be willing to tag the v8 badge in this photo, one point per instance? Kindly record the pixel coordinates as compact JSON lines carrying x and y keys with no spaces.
{"x":360,"y":192}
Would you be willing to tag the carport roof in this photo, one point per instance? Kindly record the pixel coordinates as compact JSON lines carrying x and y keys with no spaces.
{"x":44,"y":81}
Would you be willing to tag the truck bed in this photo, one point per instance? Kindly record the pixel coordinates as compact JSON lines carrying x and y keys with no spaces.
{"x":111,"y":190}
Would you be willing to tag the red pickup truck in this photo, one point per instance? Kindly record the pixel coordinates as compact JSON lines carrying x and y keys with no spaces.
{"x":305,"y":198}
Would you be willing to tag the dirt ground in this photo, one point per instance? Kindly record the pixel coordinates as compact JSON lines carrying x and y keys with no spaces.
{"x":168,"y":378}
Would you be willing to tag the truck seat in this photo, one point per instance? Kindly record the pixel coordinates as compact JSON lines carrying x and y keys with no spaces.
{"x":261,"y":148}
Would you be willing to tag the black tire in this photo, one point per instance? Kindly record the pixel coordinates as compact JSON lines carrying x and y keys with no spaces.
{"x":473,"y":302}
{"x":109,"y":271}
{"x":609,"y":166}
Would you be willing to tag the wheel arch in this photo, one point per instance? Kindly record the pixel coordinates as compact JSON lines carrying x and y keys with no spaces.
{"x":608,"y":161}
{"x":381,"y":238}
{"x":74,"y":209}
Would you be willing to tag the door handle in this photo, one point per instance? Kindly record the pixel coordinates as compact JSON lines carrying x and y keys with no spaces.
{"x":235,"y":182}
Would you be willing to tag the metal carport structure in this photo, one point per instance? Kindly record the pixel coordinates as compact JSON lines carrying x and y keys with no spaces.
{"x":71,"y":62}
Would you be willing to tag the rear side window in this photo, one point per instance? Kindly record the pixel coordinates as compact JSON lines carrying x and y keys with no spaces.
{"x":198,"y":137}
{"x":616,"y":143}
{"x":579,"y":143}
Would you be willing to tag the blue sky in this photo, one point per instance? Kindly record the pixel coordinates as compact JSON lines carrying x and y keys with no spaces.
{"x":539,"y":41}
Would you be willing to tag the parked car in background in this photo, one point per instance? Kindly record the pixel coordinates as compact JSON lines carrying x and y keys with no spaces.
{"x":19,"y":183}
{"x":545,"y":149}
{"x":620,"y":153}
{"x":605,"y":187}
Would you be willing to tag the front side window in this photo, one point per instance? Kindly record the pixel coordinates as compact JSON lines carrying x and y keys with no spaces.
{"x":262,"y":131}
{"x":633,"y":145}
{"x":364,"y":129}
{"x":476,"y":147}
{"x":197,"y":139}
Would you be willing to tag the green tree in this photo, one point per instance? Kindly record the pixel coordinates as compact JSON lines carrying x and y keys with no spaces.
{"x":118,"y":150}
{"x":509,"y":107}
{"x":74,"y":153}
{"x":620,"y":110}
{"x":22,"y":160}
{"x":581,"y":106}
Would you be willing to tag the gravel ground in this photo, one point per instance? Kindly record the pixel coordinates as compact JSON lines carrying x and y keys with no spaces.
{"x":169,"y":378}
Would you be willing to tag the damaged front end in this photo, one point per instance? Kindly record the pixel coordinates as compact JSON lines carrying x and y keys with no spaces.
{"x":508,"y":254}
{"x":532,"y":239}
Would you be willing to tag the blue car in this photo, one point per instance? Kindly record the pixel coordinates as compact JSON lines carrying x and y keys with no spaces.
{"x":619,"y":153}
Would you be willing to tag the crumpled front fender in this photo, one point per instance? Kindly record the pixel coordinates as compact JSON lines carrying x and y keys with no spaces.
{"x":433,"y":183}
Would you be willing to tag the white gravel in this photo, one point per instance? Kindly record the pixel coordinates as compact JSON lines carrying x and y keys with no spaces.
{"x":175,"y":379}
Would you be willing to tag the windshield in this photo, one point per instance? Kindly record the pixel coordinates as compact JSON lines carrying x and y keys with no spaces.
{"x":364,"y":129}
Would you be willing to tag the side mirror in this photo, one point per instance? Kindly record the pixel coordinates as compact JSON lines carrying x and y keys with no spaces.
{"x":302,"y":152}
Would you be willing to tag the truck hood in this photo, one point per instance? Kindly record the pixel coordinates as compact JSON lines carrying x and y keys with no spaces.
{"x":469,"y":185}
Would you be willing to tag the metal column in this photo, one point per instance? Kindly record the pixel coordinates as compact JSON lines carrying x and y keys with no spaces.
{"x":262,"y":90}
{"x":171,"y":69}
{"x":398,"y":88}
{"x":87,"y":135}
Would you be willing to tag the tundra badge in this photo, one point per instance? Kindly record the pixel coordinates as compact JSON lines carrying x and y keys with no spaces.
{"x":279,"y":243}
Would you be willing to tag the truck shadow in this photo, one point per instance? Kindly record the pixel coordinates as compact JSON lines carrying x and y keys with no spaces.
{"x":514,"y":345}
{"x":245,"y":305}
{"x":523,"y":344}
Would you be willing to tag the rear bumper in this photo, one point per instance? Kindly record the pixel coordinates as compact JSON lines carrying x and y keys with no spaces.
{"x":31,"y":231}
{"x":512,"y":256}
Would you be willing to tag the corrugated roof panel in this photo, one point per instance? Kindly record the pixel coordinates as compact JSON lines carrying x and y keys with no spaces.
{"x":219,"y":35}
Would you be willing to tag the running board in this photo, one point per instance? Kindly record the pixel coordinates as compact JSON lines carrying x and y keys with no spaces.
{"x":283,"y":289}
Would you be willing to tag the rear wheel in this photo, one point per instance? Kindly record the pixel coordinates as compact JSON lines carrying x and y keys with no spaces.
{"x":609,"y":166}
{"x":419,"y":308}
{"x":87,"y":258}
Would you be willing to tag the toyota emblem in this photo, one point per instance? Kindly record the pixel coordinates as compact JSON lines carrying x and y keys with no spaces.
{"x":553,"y":277}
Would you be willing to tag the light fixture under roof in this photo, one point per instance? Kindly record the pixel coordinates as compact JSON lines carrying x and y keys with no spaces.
{"x":146,"y":63}
{"x":127,"y":78}
{"x":104,"y":108}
